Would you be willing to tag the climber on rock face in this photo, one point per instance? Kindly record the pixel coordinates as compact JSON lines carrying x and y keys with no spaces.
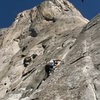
{"x":50,"y":66}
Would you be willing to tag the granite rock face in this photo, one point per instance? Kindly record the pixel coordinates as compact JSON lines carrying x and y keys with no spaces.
{"x":52,"y":30}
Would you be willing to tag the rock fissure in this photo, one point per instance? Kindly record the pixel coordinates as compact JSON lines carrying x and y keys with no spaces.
{"x":28,"y":73}
{"x":77,"y":59}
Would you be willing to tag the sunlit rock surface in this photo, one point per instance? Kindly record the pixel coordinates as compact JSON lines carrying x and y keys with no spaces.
{"x":53,"y":29}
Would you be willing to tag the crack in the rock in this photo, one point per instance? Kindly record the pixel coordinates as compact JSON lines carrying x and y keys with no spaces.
{"x":77,"y":59}
{"x":84,"y":55}
{"x":28,"y":73}
{"x":50,"y":19}
{"x":88,"y":27}
{"x":39,"y":85}
{"x":35,"y":99}
{"x":95,"y":89}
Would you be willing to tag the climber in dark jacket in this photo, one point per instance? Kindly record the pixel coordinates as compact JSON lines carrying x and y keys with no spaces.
{"x":49,"y":67}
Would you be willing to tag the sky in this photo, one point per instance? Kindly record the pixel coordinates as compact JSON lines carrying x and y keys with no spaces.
{"x":10,"y":8}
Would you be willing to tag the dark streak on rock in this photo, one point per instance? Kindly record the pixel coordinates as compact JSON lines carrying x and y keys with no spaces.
{"x":35,"y":99}
{"x":87,"y":28}
{"x":95,"y":87}
{"x":48,"y":19}
{"x":77,"y":59}
{"x":24,"y":48}
{"x":31,"y":71}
